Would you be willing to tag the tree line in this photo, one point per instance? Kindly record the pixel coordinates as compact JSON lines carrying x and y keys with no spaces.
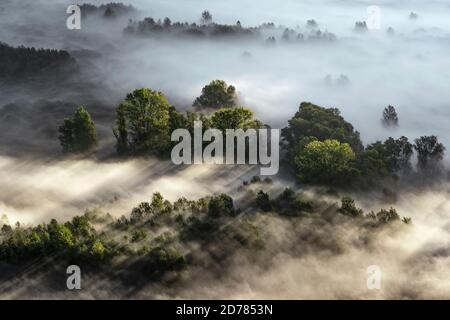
{"x":321,"y":146}
{"x":23,"y":63}
{"x":135,"y":242}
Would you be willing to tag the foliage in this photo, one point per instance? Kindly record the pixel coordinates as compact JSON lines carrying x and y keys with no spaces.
{"x":216,"y":94}
{"x":349,"y":208}
{"x":390,"y":116}
{"x":288,"y":203}
{"x":263,"y":201}
{"x":74,"y":240}
{"x":206,"y":17}
{"x":327,"y":162}
{"x":312,"y":122}
{"x":221,"y":205}
{"x":22,"y":63}
{"x":429,"y":153}
{"x":78,"y":133}
{"x":234,"y":118}
{"x":142,"y":125}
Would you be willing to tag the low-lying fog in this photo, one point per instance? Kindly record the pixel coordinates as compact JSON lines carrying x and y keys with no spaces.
{"x":409,"y":70}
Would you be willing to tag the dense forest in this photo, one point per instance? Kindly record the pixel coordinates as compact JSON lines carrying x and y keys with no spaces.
{"x":21,"y":63}
{"x":168,"y":242}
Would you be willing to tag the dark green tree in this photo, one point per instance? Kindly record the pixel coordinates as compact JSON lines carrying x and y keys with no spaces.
{"x":143,"y":123}
{"x":430,"y":152}
{"x":390,"y":116}
{"x":349,"y":208}
{"x":398,"y":154}
{"x":263,"y":201}
{"x":78,"y":133}
{"x":312,"y":122}
{"x":221,"y":205}
{"x":216,"y":94}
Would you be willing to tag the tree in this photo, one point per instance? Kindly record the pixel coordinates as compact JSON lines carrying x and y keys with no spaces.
{"x":263,"y":201}
{"x":381,"y":159}
{"x":390,"y":116}
{"x":78,"y":133}
{"x":234,"y":118}
{"x":327,"y":162}
{"x":289,"y":203}
{"x":312,"y":23}
{"x":398,"y":154}
{"x":109,"y":13}
{"x":206,"y":17}
{"x":143,"y":123}
{"x":216,"y":94}
{"x":349,"y":208}
{"x":386,"y":216}
{"x":429,"y":152}
{"x":312,"y":122}
{"x":167,"y":22}
{"x":221,"y":205}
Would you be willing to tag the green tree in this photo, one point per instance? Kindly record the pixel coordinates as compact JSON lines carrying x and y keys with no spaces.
{"x":327,"y":162}
{"x":390,"y":116}
{"x":430,"y":153}
{"x":78,"y":133}
{"x":349,"y":208}
{"x":60,"y":236}
{"x":387,"y":216}
{"x":263,"y":201}
{"x":398,"y":154}
{"x":97,"y":250}
{"x":234,"y":118}
{"x":143,"y":123}
{"x":216,"y":94}
{"x":312,"y":122}
{"x":221,"y":205}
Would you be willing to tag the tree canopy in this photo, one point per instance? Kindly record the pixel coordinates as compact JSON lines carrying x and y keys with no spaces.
{"x":216,"y":94}
{"x":321,"y":123}
{"x":78,"y":133}
{"x":234,"y":118}
{"x":390,"y":116}
{"x":143,"y":123}
{"x":430,"y":153}
{"x":327,"y":162}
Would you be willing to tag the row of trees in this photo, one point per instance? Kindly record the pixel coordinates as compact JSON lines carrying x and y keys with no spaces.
{"x":325,"y":149}
{"x":210,"y":221}
{"x":21,"y":62}
{"x":145,"y":121}
{"x":321,"y":145}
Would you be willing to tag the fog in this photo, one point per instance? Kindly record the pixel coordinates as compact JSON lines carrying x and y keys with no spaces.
{"x":409,"y":69}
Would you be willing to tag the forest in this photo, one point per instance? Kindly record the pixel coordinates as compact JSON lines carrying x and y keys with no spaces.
{"x":89,"y":179}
